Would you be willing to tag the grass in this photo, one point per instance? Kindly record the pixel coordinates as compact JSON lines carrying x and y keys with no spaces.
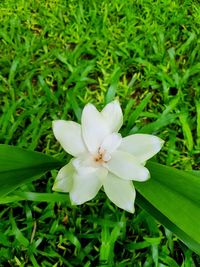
{"x":56,"y":56}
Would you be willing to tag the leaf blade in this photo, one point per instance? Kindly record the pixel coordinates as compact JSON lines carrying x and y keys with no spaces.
{"x":18,"y":166}
{"x":171,"y":197}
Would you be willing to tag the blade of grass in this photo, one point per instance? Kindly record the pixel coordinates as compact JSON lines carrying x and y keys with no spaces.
{"x":37,"y":197}
{"x":184,"y":117}
{"x":113,"y":85}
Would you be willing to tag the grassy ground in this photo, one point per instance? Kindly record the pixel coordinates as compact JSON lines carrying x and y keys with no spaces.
{"x":56,"y":56}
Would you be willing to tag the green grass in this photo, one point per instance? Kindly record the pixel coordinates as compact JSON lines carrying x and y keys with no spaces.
{"x":56,"y":56}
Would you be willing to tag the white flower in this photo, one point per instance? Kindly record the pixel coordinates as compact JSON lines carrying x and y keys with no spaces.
{"x":102,"y":157}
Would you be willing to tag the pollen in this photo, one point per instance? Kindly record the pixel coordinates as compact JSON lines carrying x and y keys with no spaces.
{"x":102,"y":156}
{"x":99,"y":158}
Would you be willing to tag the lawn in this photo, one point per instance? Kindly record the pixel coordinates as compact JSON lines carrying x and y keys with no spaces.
{"x":56,"y":56}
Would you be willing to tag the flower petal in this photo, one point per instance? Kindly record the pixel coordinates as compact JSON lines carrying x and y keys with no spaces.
{"x":142,"y":146}
{"x":94,"y":128}
{"x":84,"y":165}
{"x":68,"y":134}
{"x":125,"y":166}
{"x":64,"y":179}
{"x":121,"y":192}
{"x":113,"y":115}
{"x":111,"y":142}
{"x":85,"y":187}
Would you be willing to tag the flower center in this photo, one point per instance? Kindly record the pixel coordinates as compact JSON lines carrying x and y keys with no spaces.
{"x":102,"y":156}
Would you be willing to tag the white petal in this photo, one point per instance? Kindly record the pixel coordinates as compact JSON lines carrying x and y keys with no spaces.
{"x":121,"y":192}
{"x":94,"y":128}
{"x":113,"y":115}
{"x":125,"y":166}
{"x":85,"y":187}
{"x":68,"y":134}
{"x":142,"y":146}
{"x":111,"y":142}
{"x":84,"y":165}
{"x":64,"y":179}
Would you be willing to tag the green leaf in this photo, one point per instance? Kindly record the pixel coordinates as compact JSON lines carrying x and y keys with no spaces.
{"x":136,"y":113}
{"x":37,"y":197}
{"x":198,"y":122}
{"x":187,"y":132}
{"x":113,"y":84}
{"x":18,"y":166}
{"x":172,"y":197}
{"x":154,"y":126}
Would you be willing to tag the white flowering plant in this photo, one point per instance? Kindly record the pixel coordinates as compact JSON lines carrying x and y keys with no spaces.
{"x":103,"y":159}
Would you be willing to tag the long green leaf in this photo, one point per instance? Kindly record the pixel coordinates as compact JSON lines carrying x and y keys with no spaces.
{"x":37,"y":197}
{"x":143,"y":203}
{"x":17,"y":166}
{"x":173,"y":197}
